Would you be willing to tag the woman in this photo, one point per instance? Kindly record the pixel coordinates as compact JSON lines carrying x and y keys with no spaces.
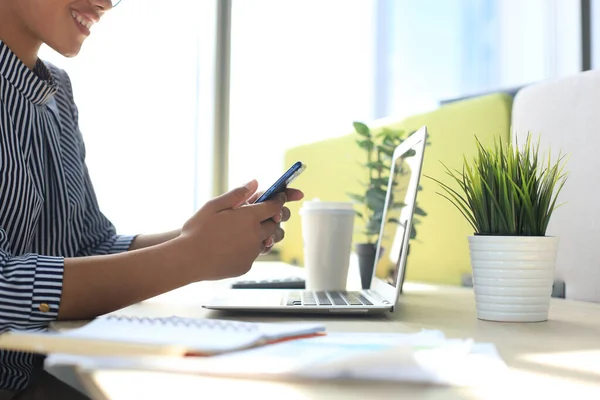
{"x":60,"y":258}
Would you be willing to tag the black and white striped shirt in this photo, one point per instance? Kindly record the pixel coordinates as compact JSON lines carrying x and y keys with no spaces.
{"x":48,"y":209}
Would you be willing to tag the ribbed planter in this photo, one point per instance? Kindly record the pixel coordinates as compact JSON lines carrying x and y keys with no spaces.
{"x":513,"y":276}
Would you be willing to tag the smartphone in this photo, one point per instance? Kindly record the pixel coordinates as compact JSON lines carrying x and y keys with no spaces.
{"x":282,"y":183}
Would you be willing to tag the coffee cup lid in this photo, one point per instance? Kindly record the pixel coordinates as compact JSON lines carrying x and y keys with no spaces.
{"x":317,"y":205}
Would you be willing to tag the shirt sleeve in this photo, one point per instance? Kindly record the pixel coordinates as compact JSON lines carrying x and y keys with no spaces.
{"x":30,"y":288}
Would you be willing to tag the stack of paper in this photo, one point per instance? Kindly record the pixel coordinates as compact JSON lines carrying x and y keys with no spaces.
{"x":423,"y":357}
{"x":426,"y":357}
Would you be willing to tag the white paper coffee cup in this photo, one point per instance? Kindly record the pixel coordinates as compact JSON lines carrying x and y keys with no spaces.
{"x":327,"y":229}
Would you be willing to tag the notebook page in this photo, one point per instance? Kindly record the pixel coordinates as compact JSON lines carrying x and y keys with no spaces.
{"x":197,"y":335}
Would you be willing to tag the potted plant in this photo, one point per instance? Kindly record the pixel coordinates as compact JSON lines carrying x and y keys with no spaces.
{"x":508,"y":195}
{"x":379,"y":148}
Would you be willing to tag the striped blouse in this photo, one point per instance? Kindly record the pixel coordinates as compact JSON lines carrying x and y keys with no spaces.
{"x":48,"y":209}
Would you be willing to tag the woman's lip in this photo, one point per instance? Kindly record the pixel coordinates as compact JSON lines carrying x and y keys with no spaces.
{"x":90,"y":17}
{"x":82,"y":29}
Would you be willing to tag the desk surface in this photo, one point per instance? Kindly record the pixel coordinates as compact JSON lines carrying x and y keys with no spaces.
{"x":560,"y":356}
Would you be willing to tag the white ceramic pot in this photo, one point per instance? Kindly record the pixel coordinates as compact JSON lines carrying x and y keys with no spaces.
{"x":513,"y":276}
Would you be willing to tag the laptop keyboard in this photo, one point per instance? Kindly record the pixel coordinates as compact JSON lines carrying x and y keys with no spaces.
{"x":335,"y":298}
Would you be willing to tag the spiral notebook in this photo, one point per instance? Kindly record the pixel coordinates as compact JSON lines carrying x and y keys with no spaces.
{"x":175,"y":336}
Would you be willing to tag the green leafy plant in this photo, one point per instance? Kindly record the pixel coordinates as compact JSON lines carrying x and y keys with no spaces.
{"x":507,"y":191}
{"x":379,"y":150}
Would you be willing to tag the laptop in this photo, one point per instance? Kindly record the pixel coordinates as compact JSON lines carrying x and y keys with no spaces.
{"x":389,"y":271}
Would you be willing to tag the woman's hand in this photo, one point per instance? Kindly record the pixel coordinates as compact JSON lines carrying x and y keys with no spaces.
{"x":290,"y":195}
{"x":225,"y":236}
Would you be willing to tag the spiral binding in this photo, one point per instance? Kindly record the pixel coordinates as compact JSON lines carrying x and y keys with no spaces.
{"x":189,"y":323}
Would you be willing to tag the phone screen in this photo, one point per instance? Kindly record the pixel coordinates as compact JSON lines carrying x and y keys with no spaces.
{"x":282,"y":183}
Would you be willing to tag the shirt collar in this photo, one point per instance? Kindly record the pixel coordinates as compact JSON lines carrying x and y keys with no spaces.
{"x":38,"y":85}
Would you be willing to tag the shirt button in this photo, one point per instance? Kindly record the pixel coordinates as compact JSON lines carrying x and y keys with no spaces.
{"x":44,"y":307}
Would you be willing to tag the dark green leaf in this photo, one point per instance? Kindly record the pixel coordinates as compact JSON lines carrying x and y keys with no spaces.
{"x":388,"y":132}
{"x":373,"y":227}
{"x":391,"y":142}
{"x":356,"y":197}
{"x":379,"y":181}
{"x":362,"y":129}
{"x":385,"y":151}
{"x":377,"y":165}
{"x":365,"y":144}
{"x":377,"y":216}
{"x":413,"y":233}
{"x":375,"y":198}
{"x":420,"y":211}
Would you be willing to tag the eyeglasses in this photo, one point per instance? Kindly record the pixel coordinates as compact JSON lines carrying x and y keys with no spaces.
{"x":115,"y":2}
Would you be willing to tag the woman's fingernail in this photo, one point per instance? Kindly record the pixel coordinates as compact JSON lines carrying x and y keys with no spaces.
{"x":249,"y":184}
{"x":277,"y":218}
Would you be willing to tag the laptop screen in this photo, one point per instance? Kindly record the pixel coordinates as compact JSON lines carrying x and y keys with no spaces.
{"x":398,"y":215}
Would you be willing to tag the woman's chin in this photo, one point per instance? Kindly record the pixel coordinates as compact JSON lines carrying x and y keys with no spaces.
{"x":67,"y":49}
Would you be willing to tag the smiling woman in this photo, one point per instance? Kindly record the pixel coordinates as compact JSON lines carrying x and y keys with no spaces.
{"x":61,"y":24}
{"x":30,"y":92}
{"x":60,"y":256}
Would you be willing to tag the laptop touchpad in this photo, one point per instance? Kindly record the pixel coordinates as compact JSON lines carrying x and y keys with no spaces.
{"x":249,"y":298}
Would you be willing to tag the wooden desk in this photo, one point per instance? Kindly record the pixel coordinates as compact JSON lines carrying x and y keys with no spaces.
{"x":560,"y":357}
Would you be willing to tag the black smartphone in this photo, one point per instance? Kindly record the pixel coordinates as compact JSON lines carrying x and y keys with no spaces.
{"x":282,"y":183}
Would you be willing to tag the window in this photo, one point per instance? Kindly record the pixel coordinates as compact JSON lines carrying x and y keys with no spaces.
{"x":143,"y":86}
{"x":443,"y":50}
{"x":303,"y":71}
